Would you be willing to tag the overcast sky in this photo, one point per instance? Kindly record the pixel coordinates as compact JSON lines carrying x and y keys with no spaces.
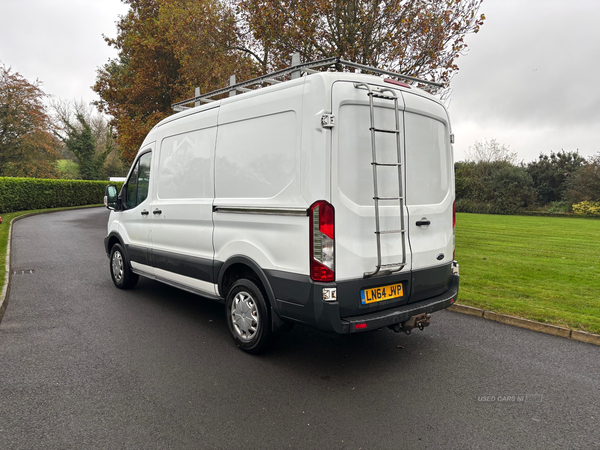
{"x":529,"y":80}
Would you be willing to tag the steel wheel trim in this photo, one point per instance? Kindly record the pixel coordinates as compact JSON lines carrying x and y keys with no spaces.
{"x":244,"y":316}
{"x":117,"y":266}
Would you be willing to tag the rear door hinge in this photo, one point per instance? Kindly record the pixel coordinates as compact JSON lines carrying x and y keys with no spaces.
{"x":327,"y":120}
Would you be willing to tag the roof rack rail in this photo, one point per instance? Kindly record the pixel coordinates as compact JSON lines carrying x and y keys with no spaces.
{"x":294,"y":71}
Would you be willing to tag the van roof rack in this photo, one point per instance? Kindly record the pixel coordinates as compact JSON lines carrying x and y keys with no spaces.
{"x":294,"y":71}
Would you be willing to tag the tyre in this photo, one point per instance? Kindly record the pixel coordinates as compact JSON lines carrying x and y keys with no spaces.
{"x":248,"y":317}
{"x":120,"y":270}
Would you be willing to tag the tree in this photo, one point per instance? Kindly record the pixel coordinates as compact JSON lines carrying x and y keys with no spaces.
{"x":27,"y":145}
{"x":168,"y":47}
{"x":550,"y":173}
{"x":584,"y":184}
{"x":136,"y":88}
{"x":85,"y":135}
{"x":415,"y":37}
{"x":496,"y":187}
{"x":490,"y":151}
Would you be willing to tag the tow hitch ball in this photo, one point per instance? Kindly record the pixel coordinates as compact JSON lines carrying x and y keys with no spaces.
{"x":419,"y":321}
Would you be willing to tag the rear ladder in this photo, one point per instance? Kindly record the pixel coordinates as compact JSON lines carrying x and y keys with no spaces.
{"x":381,"y":94}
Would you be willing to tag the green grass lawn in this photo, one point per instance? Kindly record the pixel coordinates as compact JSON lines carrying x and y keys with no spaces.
{"x":541,"y":268}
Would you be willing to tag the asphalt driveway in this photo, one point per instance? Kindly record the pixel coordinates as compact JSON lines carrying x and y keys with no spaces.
{"x":85,"y":365}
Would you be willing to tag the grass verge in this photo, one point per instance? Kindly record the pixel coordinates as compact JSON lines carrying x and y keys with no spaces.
{"x":541,"y":268}
{"x":5,"y":227}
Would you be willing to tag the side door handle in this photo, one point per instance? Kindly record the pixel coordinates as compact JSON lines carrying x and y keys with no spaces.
{"x":145,"y":213}
{"x":423,"y":222}
{"x":157,"y":211}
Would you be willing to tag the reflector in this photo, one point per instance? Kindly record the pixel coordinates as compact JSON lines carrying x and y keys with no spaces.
{"x":398,"y":83}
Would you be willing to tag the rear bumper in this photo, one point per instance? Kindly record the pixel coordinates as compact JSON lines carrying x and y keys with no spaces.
{"x":330,"y":320}
{"x":299,"y":299}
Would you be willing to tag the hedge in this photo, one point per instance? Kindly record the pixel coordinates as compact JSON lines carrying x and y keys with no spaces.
{"x":22,"y":194}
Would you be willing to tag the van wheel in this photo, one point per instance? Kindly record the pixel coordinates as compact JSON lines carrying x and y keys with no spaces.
{"x":120,"y":271}
{"x":248,"y":317}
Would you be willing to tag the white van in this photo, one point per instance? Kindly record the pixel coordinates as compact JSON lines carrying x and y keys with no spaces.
{"x":325,"y":200}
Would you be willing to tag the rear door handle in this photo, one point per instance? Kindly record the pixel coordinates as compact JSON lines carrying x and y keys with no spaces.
{"x":145,"y":213}
{"x":157,"y":211}
{"x":421,"y":223}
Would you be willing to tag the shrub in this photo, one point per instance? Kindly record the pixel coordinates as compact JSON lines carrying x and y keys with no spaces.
{"x":560,"y":208}
{"x":550,"y":173}
{"x":496,"y":187}
{"x":23,"y":194}
{"x":587,"y":208}
{"x":584,"y":185}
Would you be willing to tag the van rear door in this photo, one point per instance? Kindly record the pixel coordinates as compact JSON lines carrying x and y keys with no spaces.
{"x":353,"y":191}
{"x":426,"y":183}
{"x":429,"y":183}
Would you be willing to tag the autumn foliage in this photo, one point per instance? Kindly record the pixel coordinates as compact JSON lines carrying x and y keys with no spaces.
{"x":27,"y":146}
{"x":169,"y":47}
{"x":415,"y":37}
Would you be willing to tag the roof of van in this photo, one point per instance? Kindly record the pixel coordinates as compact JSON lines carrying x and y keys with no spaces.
{"x":328,"y":78}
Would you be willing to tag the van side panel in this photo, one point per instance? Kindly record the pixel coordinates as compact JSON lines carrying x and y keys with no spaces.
{"x":183,"y":197}
{"x":316,"y":141}
{"x":259,"y":209}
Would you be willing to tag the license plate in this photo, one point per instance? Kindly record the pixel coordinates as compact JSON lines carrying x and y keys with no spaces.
{"x":379,"y":294}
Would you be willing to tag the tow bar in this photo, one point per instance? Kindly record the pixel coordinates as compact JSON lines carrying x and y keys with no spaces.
{"x":419,"y":321}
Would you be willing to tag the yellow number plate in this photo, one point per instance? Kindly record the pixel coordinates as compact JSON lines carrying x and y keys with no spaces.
{"x":380,"y":294}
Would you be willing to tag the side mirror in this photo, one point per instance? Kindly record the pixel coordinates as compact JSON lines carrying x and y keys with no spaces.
{"x":110,"y":197}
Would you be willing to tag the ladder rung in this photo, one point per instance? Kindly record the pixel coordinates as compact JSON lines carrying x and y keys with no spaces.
{"x":388,"y":198}
{"x":386,"y":164}
{"x":386,"y":97}
{"x":389,"y":231}
{"x":383,"y":130}
{"x":392,"y":265}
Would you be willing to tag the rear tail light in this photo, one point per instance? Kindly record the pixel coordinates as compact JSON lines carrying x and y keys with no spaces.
{"x":453,"y":232}
{"x":454,"y":214}
{"x":322,"y":243}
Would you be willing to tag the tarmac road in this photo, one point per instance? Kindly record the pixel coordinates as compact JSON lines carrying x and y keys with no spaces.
{"x":84,"y":365}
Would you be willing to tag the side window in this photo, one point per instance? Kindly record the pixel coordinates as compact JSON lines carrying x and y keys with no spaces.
{"x":131,"y":187}
{"x":143,"y":178}
{"x":136,"y":189}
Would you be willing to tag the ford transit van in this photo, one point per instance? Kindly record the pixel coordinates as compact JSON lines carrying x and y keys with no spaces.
{"x":325,"y":200}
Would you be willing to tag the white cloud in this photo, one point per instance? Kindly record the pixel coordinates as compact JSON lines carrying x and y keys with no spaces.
{"x":529,"y":79}
{"x":58,"y":42}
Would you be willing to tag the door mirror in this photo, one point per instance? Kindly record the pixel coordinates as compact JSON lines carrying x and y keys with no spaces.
{"x":111,"y":197}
